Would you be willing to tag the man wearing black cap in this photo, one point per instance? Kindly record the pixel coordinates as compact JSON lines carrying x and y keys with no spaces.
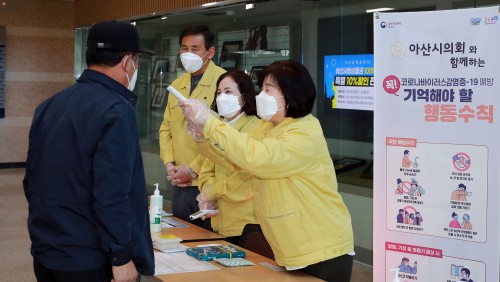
{"x":88,"y":218}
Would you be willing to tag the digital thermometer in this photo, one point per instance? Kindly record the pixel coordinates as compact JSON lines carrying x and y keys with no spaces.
{"x":176,"y":93}
{"x":201,"y":213}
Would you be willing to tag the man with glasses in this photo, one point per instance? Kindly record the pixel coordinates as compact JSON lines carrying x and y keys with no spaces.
{"x":88,"y":210}
{"x":177,"y":149}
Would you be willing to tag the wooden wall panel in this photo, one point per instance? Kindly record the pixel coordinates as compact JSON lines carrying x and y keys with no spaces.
{"x":39,"y":60}
{"x":88,"y":12}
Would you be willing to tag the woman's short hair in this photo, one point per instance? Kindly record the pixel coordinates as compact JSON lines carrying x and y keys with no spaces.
{"x":297,"y":85}
{"x":246,"y":88}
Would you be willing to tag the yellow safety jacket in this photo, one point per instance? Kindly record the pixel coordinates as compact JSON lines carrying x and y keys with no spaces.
{"x":296,"y":194}
{"x":231,"y":189}
{"x":176,"y":145}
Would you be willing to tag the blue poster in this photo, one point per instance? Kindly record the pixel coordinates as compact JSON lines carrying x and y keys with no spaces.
{"x":349,"y":81}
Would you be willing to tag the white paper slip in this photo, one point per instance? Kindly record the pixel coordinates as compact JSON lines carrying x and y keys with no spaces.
{"x":168,"y":222}
{"x":271,"y":266}
{"x":181,"y":249}
{"x":169,"y":263}
{"x":207,"y":245}
{"x":164,"y":213}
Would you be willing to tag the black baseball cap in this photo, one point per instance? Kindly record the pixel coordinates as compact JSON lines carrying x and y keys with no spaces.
{"x":115,"y":36}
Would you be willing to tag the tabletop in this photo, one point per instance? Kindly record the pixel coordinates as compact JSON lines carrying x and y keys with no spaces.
{"x":187,"y":231}
{"x":264,"y":270}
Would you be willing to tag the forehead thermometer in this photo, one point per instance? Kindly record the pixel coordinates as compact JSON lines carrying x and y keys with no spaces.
{"x":176,"y":93}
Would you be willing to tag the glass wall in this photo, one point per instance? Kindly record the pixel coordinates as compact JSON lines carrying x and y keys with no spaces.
{"x":314,"y":32}
{"x":245,"y":39}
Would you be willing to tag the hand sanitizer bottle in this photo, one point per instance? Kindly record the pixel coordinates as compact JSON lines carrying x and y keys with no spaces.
{"x":155,"y":210}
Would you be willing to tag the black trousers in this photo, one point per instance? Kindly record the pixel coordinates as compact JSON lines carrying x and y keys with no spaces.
{"x":184,"y":203}
{"x":337,"y":269}
{"x":101,"y":274}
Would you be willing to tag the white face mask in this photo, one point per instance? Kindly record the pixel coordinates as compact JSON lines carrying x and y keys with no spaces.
{"x":191,"y":62}
{"x":131,"y":82}
{"x":227,"y":105}
{"x":267,"y":106}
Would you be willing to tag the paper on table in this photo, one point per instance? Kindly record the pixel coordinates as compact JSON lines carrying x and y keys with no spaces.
{"x":166,"y":225}
{"x":181,"y":249}
{"x":273,"y":267}
{"x":179,"y":263}
{"x":169,"y":223}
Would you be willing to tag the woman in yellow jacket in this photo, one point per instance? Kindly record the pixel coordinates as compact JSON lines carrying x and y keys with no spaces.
{"x":296,"y":198}
{"x":222,"y":187}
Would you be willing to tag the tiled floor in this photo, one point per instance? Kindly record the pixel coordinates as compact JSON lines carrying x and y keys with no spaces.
{"x":16,"y":264}
{"x":15,"y":259}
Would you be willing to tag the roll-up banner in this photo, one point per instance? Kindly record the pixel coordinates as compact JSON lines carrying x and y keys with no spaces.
{"x":437,"y":146}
